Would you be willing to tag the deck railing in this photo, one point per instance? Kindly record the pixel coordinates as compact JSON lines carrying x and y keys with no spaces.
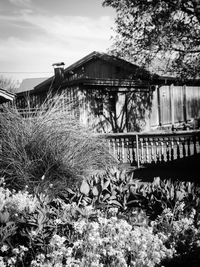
{"x":139,"y":149}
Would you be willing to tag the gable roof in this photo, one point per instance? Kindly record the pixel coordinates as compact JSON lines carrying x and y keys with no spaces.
{"x":108,"y":58}
{"x":6,"y":96}
{"x":29,"y":83}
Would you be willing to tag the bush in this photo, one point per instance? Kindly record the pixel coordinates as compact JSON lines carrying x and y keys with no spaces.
{"x":53,"y":233}
{"x":37,"y":230}
{"x":117,"y":188}
{"x":50,"y":144}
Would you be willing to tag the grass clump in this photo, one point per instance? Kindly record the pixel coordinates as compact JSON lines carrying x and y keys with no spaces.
{"x":51,"y":144}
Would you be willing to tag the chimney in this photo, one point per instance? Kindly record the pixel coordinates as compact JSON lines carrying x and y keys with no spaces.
{"x":58,"y":74}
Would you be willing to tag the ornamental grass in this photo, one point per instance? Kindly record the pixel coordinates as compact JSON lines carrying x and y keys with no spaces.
{"x":51,"y":144}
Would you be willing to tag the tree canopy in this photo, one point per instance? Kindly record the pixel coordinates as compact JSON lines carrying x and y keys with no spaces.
{"x":163,"y":35}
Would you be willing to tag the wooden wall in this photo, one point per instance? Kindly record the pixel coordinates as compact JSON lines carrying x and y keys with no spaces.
{"x":98,"y":68}
{"x":174,"y":105}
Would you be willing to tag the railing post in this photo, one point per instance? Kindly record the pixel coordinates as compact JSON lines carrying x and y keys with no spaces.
{"x":137,"y":151}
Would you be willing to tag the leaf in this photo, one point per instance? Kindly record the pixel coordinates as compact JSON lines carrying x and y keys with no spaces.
{"x":85,"y":188}
{"x":95,"y":191}
{"x":106,"y":184}
{"x":4,"y":217}
{"x":180,"y":195}
{"x":106,"y":197}
{"x":112,"y":197}
{"x":114,"y":202}
{"x":70,"y":191}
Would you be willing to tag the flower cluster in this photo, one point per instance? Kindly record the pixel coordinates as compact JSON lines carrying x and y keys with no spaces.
{"x":17,"y":255}
{"x":17,"y":201}
{"x":116,"y":242}
{"x":181,"y":231}
{"x":57,"y":234}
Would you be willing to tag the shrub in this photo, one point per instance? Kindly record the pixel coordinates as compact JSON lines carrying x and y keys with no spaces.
{"x":53,"y":233}
{"x":50,"y":144}
{"x":116,"y":188}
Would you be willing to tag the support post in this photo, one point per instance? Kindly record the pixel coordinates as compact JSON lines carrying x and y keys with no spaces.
{"x":184,"y":104}
{"x":171,"y":90}
{"x":159,"y":108}
{"x":137,"y":151}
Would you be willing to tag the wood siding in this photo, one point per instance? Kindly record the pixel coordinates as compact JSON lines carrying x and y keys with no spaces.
{"x":179,"y":105}
{"x":101,"y":69}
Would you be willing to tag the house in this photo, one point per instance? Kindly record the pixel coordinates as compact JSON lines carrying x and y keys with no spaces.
{"x":29,"y":83}
{"x":114,"y":95}
{"x":6,"y":96}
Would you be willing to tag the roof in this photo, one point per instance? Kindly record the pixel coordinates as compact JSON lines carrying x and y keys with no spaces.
{"x":108,"y":58}
{"x":29,"y":83}
{"x":5,"y":96}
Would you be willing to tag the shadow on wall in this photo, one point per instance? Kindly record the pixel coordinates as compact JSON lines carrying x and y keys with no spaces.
{"x":183,"y":169}
{"x":118,"y":112}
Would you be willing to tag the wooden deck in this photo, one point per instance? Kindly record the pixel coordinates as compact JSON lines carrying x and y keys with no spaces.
{"x":140,"y":149}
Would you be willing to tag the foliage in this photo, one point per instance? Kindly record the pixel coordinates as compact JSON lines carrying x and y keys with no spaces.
{"x":159,"y":33}
{"x":119,"y":189}
{"x":59,"y":234}
{"x":49,"y":144}
{"x":45,"y":231}
{"x":160,"y":195}
{"x":182,"y":230}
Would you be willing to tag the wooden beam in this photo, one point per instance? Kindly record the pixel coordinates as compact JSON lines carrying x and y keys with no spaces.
{"x":159,"y":108}
{"x":108,"y":82}
{"x":184,"y":104}
{"x":171,"y":92}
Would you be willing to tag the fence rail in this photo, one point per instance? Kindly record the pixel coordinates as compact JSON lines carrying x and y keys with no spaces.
{"x":139,"y":149}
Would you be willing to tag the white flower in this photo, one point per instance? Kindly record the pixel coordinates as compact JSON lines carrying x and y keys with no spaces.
{"x":4,"y":248}
{"x":58,"y":221}
{"x":15,"y":251}
{"x":33,"y":233}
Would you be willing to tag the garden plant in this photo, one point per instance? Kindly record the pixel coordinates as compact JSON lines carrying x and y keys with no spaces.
{"x":65,"y":203}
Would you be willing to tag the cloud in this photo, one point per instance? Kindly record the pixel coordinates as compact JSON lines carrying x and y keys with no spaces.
{"x":71,"y":26}
{"x":20,"y":2}
{"x":48,"y":39}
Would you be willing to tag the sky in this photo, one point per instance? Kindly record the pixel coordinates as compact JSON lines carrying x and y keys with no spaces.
{"x":34,"y":34}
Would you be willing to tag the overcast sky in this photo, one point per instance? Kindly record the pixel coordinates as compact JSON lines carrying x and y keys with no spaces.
{"x":36,"y":33}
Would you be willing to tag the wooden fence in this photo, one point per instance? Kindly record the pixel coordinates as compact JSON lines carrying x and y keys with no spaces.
{"x":172,"y":105}
{"x":139,"y":149}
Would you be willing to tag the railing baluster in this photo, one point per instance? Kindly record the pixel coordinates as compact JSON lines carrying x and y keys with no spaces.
{"x":178,"y":149}
{"x":157,"y":152}
{"x":128,"y":153}
{"x":109,"y":142}
{"x":167,"y":151}
{"x":195,"y":147}
{"x":188,"y":147}
{"x":119,"y":150}
{"x":142,"y":151}
{"x":162,"y":151}
{"x":134,"y":151}
{"x":184,"y":150}
{"x":116,"y":148}
{"x":152,"y":159}
{"x":146,"y":150}
{"x":137,"y":149}
{"x":198,"y":140}
{"x":172,"y":149}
